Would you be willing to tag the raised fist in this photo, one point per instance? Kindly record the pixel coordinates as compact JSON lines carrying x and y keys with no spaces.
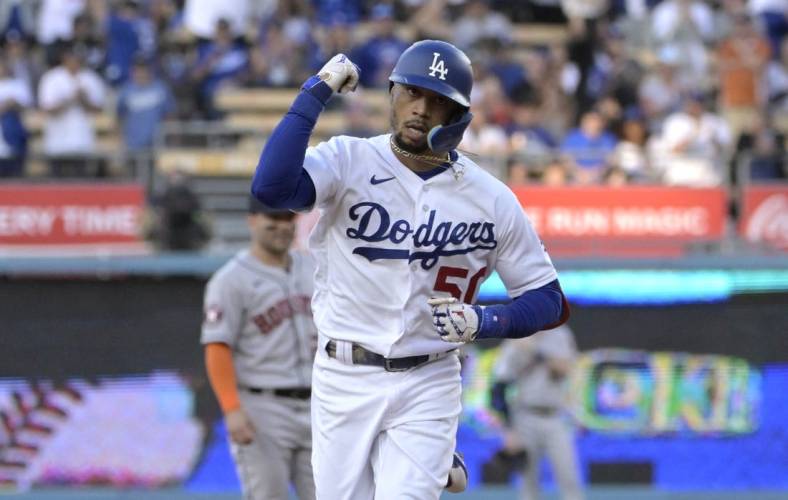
{"x":453,"y":320}
{"x":340,"y":74}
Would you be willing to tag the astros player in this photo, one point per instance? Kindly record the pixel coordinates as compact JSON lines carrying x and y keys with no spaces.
{"x":539,"y":366}
{"x":260,"y":340}
{"x":405,"y":219}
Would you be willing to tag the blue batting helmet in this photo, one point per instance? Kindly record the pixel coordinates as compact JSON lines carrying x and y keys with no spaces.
{"x":445,"y":69}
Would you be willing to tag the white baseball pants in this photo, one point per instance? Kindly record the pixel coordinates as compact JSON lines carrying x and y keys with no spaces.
{"x":383,"y":435}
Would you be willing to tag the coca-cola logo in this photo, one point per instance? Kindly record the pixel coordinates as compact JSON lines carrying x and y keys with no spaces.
{"x":769,"y":221}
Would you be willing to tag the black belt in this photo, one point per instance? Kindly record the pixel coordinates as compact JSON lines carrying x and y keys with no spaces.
{"x":362,"y":356}
{"x":295,"y":393}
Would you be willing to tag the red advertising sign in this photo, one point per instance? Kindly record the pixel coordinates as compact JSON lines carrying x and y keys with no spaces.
{"x":764,"y":217}
{"x":589,"y":219}
{"x":70,"y":214}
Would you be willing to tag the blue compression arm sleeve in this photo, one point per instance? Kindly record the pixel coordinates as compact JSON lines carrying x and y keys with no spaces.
{"x":280,"y":180}
{"x":539,"y":309}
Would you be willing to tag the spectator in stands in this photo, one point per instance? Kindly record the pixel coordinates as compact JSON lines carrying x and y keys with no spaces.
{"x":684,"y":21}
{"x":202,"y":17}
{"x":776,"y":77}
{"x":584,"y":9}
{"x":275,"y":62}
{"x":500,"y":59}
{"x":329,"y":10}
{"x":661,"y":89}
{"x":555,"y":173}
{"x":17,"y":16}
{"x":377,"y":56}
{"x":358,"y":119}
{"x":334,"y":37}
{"x":760,"y":152}
{"x":483,"y":137}
{"x":69,"y":94}
{"x":527,"y":137}
{"x":128,"y":34}
{"x":179,"y":222}
{"x":629,"y":155}
{"x":687,"y":25}
{"x":56,"y":20}
{"x":582,"y":46}
{"x":166,"y":18}
{"x":741,"y":60}
{"x":220,"y":61}
{"x":478,"y":22}
{"x":87,"y":41}
{"x":142,"y":105}
{"x":432,"y":19}
{"x":588,"y":147}
{"x":21,"y":63}
{"x":615,"y":176}
{"x":692,"y":148}
{"x":15,"y":96}
{"x":175,"y":60}
{"x":613,"y":73}
{"x":487,"y":141}
{"x":774,"y":15}
{"x":518,"y":172}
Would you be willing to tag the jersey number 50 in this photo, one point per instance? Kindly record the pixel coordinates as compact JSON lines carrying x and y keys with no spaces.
{"x":442,"y":283}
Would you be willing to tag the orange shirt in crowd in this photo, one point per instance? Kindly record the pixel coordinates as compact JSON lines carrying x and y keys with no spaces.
{"x":741,"y":63}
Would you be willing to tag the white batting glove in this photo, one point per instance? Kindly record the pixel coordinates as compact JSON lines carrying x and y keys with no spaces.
{"x":340,"y":74}
{"x":454,"y":321}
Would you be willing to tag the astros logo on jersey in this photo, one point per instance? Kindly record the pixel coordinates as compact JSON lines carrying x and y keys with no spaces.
{"x":438,"y":66}
{"x":375,"y":225}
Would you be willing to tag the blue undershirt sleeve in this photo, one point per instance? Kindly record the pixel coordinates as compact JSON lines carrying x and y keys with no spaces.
{"x":280,"y":180}
{"x":539,"y":309}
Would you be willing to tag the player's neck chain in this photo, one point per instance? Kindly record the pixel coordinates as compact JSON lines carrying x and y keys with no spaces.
{"x":425,"y":158}
{"x":429,"y":159}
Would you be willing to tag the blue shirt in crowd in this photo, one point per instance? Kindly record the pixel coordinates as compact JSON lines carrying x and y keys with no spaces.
{"x":588,"y":152}
{"x":141,"y":109}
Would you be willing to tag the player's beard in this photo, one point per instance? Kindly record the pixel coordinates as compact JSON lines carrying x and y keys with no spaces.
{"x":416,"y":149}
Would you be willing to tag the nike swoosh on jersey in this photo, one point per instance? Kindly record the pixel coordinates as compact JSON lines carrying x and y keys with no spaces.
{"x":375,"y":181}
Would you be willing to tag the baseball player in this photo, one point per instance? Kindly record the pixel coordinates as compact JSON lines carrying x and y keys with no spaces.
{"x":260,"y":341}
{"x":409,"y":229}
{"x":539,"y":366}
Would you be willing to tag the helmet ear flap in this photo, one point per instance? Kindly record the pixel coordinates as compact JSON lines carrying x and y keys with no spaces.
{"x":445,"y":138}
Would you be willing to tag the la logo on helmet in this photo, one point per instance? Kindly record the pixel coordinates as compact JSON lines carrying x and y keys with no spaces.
{"x":438,"y":66}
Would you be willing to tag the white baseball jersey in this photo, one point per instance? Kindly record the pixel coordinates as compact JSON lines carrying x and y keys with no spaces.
{"x":387,"y":240}
{"x":263,"y":313}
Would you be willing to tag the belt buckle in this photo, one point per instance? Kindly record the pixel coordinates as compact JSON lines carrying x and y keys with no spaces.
{"x":389,"y":368}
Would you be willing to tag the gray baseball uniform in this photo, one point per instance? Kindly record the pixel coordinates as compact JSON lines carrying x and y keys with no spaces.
{"x":263,"y":313}
{"x":537,"y":413}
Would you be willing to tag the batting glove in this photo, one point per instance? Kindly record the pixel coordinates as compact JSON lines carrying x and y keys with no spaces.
{"x":340,"y":74}
{"x":455,"y":321}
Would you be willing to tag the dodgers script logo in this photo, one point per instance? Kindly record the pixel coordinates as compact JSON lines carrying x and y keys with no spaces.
{"x":374,"y":225}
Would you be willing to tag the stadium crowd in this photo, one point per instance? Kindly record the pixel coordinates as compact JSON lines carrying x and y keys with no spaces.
{"x":679,"y":92}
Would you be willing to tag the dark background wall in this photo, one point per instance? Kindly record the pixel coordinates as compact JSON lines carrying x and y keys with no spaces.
{"x":60,"y":328}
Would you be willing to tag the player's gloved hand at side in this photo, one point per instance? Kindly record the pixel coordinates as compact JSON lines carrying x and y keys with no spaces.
{"x":340,"y":74}
{"x":455,"y":321}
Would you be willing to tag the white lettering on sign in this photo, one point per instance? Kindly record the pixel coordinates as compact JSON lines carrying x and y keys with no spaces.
{"x":21,"y":220}
{"x":577,"y":221}
{"x":666,"y":221}
{"x":87,"y":220}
